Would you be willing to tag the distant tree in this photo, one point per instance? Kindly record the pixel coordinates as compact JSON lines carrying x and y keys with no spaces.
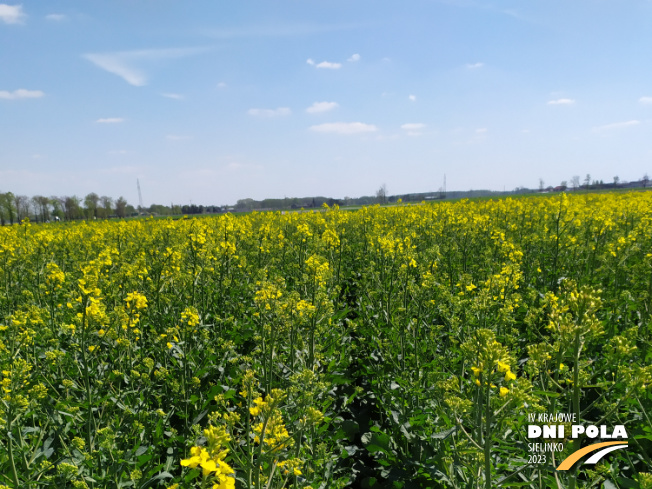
{"x":91,"y":202}
{"x":587,"y":181}
{"x":564,"y":185}
{"x":106,"y":206}
{"x":541,"y":184}
{"x":575,"y":182}
{"x":242,"y":205}
{"x":645,"y":180}
{"x":121,"y":207}
{"x":7,"y":209}
{"x":616,"y":180}
{"x":71,"y":207}
{"x":41,"y":207}
{"x":21,"y":203}
{"x":381,"y":194}
{"x":57,"y":207}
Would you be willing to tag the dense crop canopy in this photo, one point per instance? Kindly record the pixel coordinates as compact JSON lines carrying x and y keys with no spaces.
{"x":395,"y":346}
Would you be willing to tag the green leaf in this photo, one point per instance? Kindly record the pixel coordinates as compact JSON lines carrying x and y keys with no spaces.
{"x":377,"y":442}
{"x":546,"y":393}
{"x":442,"y":435}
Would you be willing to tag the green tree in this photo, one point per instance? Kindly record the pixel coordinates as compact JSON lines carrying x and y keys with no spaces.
{"x":7,"y":209}
{"x":21,"y":204}
{"x":107,"y":206}
{"x":121,"y":207}
{"x":71,"y":207}
{"x":91,"y":202}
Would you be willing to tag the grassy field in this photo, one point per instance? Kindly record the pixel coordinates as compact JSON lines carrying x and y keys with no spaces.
{"x":389,"y":347}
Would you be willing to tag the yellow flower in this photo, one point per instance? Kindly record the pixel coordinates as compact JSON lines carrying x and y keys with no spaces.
{"x":509,"y":375}
{"x":504,"y":391}
{"x":476,"y":371}
{"x":502,"y":366}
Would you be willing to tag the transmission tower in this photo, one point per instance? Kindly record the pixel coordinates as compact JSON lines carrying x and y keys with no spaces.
{"x":140,"y":196}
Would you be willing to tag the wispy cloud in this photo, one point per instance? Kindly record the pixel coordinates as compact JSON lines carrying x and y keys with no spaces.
{"x":20,"y":93}
{"x":175,"y":96}
{"x":56,"y":17}
{"x":354,"y":58}
{"x":481,"y":130}
{"x":344,"y":128}
{"x":278,"y":112}
{"x":616,"y":125}
{"x":645,"y":100}
{"x":412,"y":98}
{"x":474,"y":66}
{"x":413,"y":126}
{"x":221,"y":85}
{"x":110,"y":120}
{"x":328,"y":65}
{"x":176,"y":137}
{"x":124,"y":63}
{"x":12,"y":14}
{"x":561,"y":101}
{"x":324,"y":64}
{"x":318,"y":107}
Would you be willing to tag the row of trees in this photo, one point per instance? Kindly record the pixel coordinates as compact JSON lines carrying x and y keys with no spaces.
{"x":588,"y":183}
{"x":15,"y":208}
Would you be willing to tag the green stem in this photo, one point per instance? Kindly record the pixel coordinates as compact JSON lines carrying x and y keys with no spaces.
{"x":487,"y":441}
{"x":14,"y":474}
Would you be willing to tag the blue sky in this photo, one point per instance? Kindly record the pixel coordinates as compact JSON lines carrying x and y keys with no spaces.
{"x":211,"y":102}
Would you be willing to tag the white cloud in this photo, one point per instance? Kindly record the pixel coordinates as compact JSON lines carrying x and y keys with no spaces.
{"x":310,"y":62}
{"x":176,"y":137}
{"x":354,"y":58}
{"x":11,"y":14}
{"x":221,"y":85}
{"x":561,"y":101}
{"x":329,"y":66}
{"x":617,"y":125}
{"x":415,"y":126}
{"x":413,"y":129}
{"x":318,"y":107}
{"x":645,"y":100}
{"x":175,"y":96}
{"x":280,"y":111}
{"x":20,"y":93}
{"x":123,"y":63}
{"x":110,"y":120}
{"x":56,"y":17}
{"x":412,"y":98}
{"x":474,"y":66}
{"x":344,"y":128}
{"x":117,"y":152}
{"x":482,"y":130}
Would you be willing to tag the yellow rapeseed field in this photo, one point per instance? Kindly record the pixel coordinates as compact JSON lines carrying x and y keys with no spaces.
{"x":406,"y":346}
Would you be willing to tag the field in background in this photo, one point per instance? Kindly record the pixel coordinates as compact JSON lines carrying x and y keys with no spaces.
{"x":387,"y":347}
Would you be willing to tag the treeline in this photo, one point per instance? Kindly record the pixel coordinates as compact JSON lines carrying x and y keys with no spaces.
{"x":15,"y":208}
